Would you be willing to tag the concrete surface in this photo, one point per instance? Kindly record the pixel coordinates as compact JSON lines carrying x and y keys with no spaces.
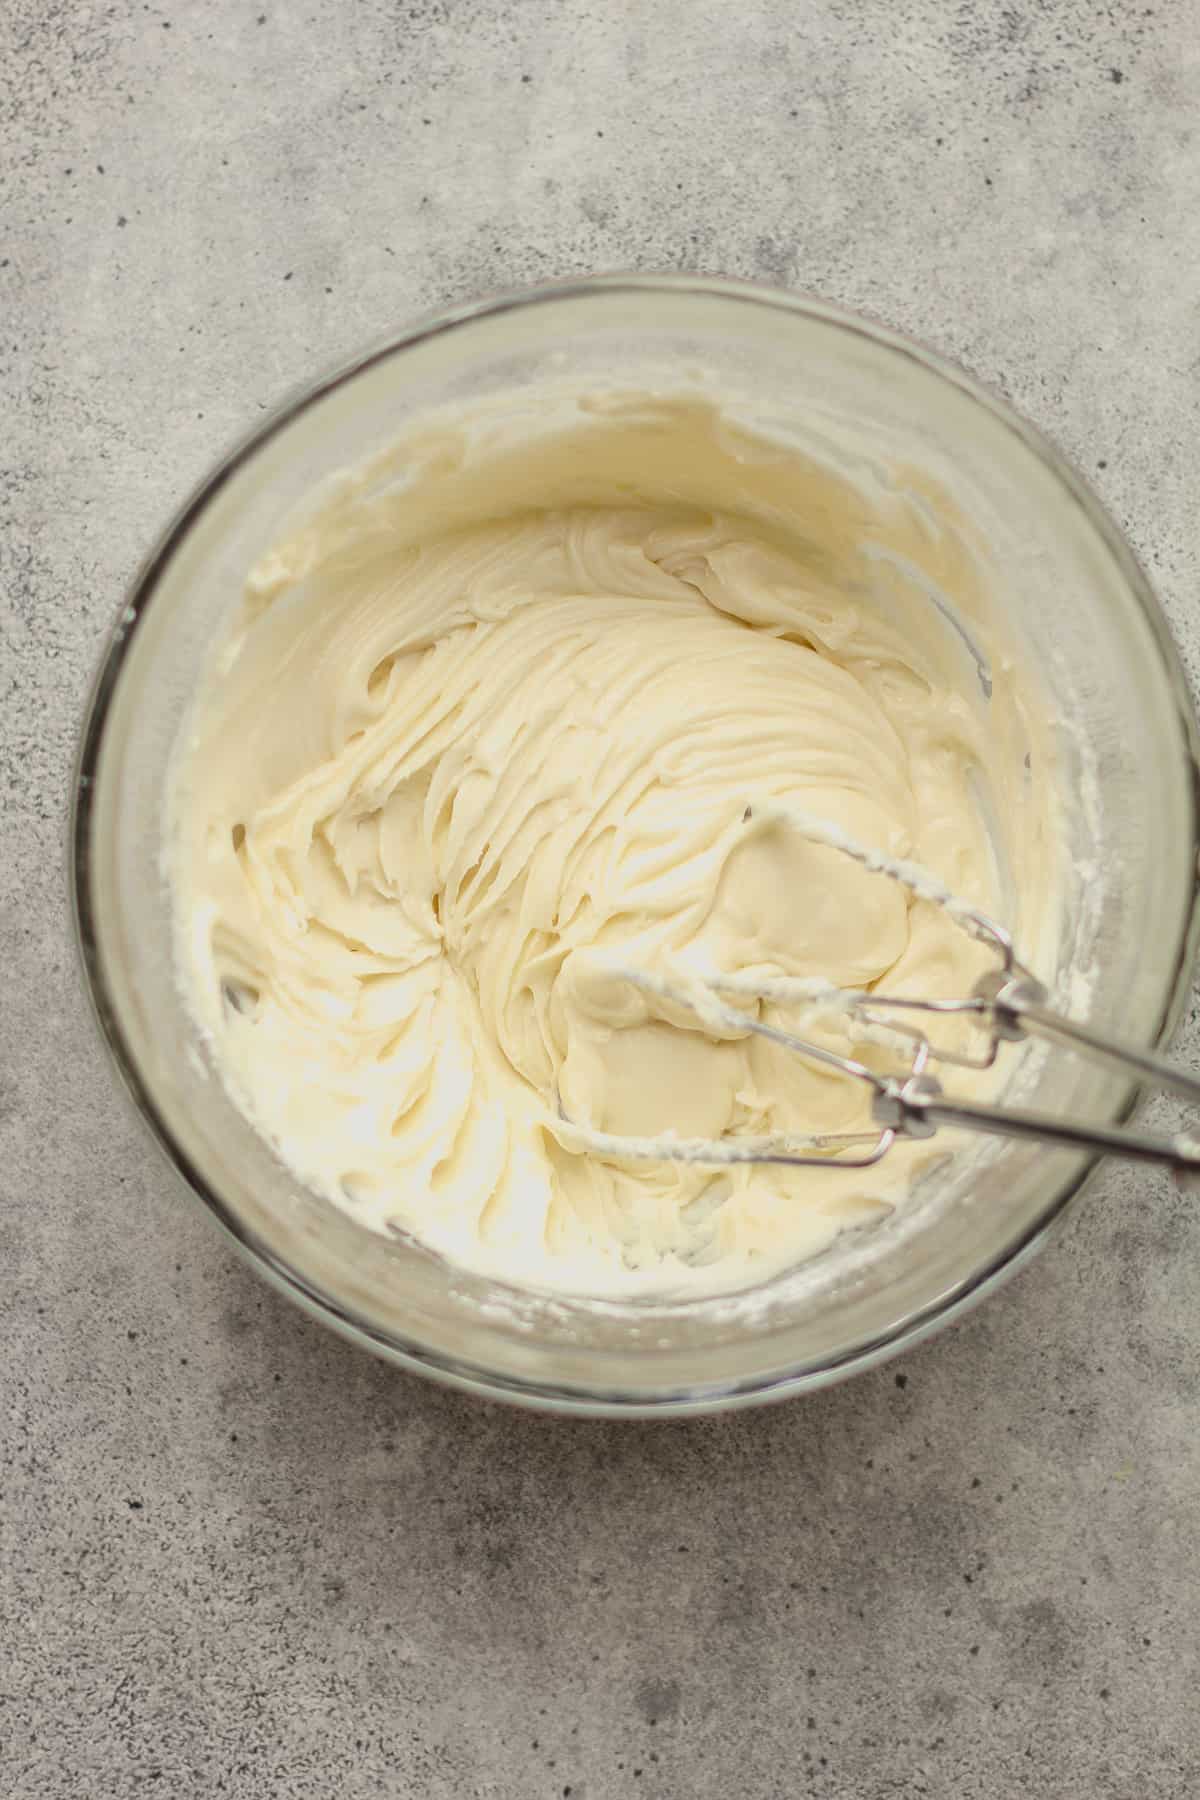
{"x":239,"y":1558}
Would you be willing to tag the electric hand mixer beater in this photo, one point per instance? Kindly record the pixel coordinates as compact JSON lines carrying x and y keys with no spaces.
{"x":1008,"y":1004}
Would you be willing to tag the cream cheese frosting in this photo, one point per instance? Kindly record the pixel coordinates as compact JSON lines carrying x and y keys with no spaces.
{"x":503,"y":709}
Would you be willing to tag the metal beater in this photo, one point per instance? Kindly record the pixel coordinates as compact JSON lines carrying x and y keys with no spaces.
{"x":1008,"y":1004}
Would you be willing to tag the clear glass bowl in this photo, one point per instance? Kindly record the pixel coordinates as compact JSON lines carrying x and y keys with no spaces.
{"x":1083,"y":611}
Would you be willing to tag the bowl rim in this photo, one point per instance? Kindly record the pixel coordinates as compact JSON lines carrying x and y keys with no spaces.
{"x":410,"y":1353}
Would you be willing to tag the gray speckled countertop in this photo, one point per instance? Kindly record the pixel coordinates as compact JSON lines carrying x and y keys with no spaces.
{"x":240,"y":1558}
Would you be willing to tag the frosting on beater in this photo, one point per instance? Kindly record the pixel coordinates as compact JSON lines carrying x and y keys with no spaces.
{"x":492,"y":717}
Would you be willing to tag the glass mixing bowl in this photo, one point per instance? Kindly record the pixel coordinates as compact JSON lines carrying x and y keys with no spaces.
{"x":1080,"y":607}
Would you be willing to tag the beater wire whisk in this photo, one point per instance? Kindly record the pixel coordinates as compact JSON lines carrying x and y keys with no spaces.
{"x":1007,"y":1005}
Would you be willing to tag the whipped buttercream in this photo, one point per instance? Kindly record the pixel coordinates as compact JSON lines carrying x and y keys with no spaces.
{"x":507,"y":710}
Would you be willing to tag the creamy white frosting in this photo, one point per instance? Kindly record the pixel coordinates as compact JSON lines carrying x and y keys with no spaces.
{"x":508,"y":707}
